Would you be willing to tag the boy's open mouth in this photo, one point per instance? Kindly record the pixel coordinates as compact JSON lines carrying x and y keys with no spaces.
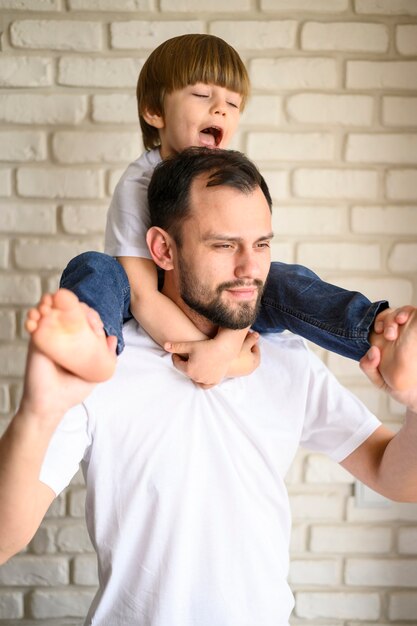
{"x":214,"y":132}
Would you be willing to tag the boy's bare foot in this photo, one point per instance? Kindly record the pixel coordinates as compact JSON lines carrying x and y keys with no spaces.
{"x":72,"y":335}
{"x":398,"y":364}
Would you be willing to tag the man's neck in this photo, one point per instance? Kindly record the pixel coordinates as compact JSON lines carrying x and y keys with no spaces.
{"x":171,"y":291}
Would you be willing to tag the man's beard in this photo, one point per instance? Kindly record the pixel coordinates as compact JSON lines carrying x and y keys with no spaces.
{"x":209,"y":304}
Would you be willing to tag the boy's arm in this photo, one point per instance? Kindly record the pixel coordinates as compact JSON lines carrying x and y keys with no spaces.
{"x":48,"y":393}
{"x":206,"y":361}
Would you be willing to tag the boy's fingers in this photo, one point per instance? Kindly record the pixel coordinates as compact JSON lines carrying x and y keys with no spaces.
{"x":181,"y":347}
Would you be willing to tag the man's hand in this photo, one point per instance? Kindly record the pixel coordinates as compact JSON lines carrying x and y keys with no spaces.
{"x":392,"y":365}
{"x":388,"y":322}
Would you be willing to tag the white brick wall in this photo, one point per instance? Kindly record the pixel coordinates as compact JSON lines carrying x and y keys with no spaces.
{"x":332,"y":123}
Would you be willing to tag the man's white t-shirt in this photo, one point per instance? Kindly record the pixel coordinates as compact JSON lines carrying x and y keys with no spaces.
{"x":186,"y":502}
{"x":128,"y":217}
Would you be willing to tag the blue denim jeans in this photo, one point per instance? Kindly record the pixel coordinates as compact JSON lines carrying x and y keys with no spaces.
{"x":295,"y":299}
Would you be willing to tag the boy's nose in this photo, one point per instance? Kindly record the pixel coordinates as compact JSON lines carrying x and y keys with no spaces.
{"x":219,"y":108}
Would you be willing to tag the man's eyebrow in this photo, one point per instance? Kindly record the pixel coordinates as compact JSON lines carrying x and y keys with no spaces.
{"x":211,"y":236}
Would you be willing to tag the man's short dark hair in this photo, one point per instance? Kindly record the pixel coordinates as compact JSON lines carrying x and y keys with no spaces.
{"x":170,"y":185}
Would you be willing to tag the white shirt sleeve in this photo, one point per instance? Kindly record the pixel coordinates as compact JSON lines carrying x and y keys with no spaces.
{"x":128,"y":216}
{"x":69,"y":445}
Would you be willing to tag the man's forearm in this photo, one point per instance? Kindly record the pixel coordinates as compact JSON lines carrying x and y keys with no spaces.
{"x":23,"y":499}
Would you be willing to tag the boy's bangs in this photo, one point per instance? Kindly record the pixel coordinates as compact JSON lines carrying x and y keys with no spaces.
{"x":211,"y":64}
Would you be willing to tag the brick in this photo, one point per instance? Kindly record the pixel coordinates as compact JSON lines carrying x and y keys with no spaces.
{"x":7,"y":325}
{"x":94,"y":147}
{"x":398,"y":111}
{"x":84,"y":219}
{"x":321,"y":469}
{"x":314,"y":572}
{"x":11,"y":605}
{"x":401,"y":185}
{"x":148,"y":35}
{"x":12,"y":360}
{"x":334,"y":183}
{"x":25,"y":218}
{"x":29,"y":570}
{"x":282,"y":251}
{"x":98,"y":72}
{"x":370,"y":396}
{"x":338,"y":365}
{"x":19,"y":289}
{"x":395,"y":512}
{"x":381,"y":75}
{"x":42,"y":109}
{"x":31,"y":5}
{"x":85,"y":570}
{"x":57,"y":508}
{"x":57,"y":35}
{"x":51,"y":254}
{"x":406,"y":39}
{"x":402,"y":606}
{"x":407,"y":540}
{"x":337,"y":605}
{"x":392,"y":148}
{"x":309,"y":220}
{"x":185,"y":6}
{"x":343,"y":110}
{"x":73,"y":538}
{"x":277,"y":182}
{"x":64,"y":603}
{"x":290,"y":146}
{"x":4,"y":254}
{"x":305,"y":6}
{"x":4,"y":399}
{"x":396,"y":290}
{"x":77,"y":503}
{"x":110,"y":5}
{"x":5,"y":182}
{"x":350,"y":36}
{"x":53,"y":182}
{"x":324,"y":506}
{"x":340,"y":256}
{"x":22,"y":146}
{"x":403,"y":258}
{"x":119,"y":108}
{"x":293,"y":73}
{"x":385,"y":220}
{"x":298,"y":538}
{"x":260,"y":109}
{"x":386,"y":7}
{"x":44,"y":540}
{"x":22,"y":71}
{"x":350,"y":539}
{"x":257,"y":35}
{"x":383,"y":572}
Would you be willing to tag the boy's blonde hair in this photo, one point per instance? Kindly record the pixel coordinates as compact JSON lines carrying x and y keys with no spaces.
{"x":182,"y":61}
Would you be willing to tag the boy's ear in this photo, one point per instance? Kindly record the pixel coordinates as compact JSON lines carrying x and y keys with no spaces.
{"x":160,"y":247}
{"x":153,"y":119}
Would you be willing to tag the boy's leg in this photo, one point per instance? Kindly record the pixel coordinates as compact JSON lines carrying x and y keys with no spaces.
{"x":71,"y":335}
{"x":296,"y":299}
{"x":98,"y":280}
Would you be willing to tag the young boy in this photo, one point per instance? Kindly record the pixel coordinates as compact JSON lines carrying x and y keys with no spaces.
{"x":191,"y":92}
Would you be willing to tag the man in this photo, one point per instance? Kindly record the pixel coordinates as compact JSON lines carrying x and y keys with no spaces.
{"x":186,"y":502}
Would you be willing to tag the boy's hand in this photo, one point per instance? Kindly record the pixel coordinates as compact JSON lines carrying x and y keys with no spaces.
{"x":387,"y":322}
{"x":207,"y":363}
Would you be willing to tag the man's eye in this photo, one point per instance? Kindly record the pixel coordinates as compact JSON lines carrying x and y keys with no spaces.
{"x":223,"y":246}
{"x":264,"y":244}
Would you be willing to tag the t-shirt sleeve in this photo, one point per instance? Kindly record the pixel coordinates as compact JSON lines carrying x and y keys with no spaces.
{"x":336,"y":421}
{"x":68,"y":447}
{"x":128,"y":216}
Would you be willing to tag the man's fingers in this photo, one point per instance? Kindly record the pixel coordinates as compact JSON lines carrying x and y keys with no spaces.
{"x":251,"y":340}
{"x":181,"y":347}
{"x":369,"y":365}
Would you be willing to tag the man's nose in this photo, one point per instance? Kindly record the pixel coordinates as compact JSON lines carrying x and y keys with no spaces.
{"x":247,"y":265}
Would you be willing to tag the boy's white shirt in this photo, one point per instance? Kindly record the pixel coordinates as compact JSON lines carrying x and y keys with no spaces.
{"x":128,"y":216}
{"x":186,"y":502}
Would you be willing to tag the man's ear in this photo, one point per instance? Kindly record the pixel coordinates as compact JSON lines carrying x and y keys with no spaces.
{"x":160,"y":247}
{"x":153,"y":119}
